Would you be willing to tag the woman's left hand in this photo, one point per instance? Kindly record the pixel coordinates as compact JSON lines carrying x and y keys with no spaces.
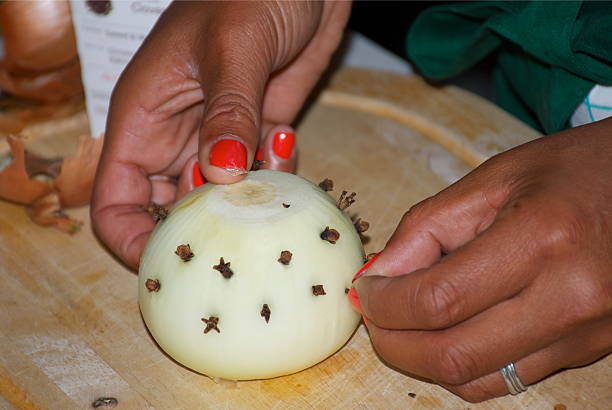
{"x":513,"y":263}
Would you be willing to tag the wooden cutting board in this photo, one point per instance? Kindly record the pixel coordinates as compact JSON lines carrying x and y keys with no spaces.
{"x":71,"y":331}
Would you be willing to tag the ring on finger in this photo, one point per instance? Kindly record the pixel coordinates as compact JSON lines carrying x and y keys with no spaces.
{"x":513,"y":383}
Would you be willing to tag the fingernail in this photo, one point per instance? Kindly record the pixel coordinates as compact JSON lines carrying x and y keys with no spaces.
{"x":229,"y":154}
{"x":353,"y":298}
{"x":365,"y":267}
{"x":283,"y":144}
{"x":198,"y":178}
{"x":259,"y":155}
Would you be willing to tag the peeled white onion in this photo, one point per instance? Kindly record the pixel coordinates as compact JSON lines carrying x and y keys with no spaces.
{"x":271,"y":318}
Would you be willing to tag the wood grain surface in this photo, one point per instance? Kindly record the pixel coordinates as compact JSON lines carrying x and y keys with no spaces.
{"x":71,"y":331}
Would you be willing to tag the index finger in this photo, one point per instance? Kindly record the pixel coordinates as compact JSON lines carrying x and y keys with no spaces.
{"x":123,"y":189}
{"x":436,"y":259}
{"x":121,"y":193}
{"x":480,"y":274}
{"x":151,"y":130}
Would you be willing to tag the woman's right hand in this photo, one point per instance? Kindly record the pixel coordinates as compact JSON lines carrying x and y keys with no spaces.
{"x":213,"y":82}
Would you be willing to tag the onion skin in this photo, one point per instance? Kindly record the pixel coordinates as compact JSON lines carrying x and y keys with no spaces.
{"x":73,"y":185}
{"x":273,"y":318}
{"x":45,"y":201}
{"x":38,"y":35}
{"x":40,"y":62}
{"x":45,"y":87}
{"x":15,"y":183}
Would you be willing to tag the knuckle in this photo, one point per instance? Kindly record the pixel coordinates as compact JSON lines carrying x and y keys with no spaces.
{"x":437,"y":303}
{"x":417,"y":211}
{"x":410,"y":215}
{"x":591,"y":300}
{"x":418,"y":215}
{"x":561,"y":227}
{"x":453,"y":365}
{"x":560,"y":234}
{"x":233,"y":106}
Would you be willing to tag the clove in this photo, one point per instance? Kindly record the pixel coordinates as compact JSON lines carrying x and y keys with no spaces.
{"x":152,"y":285}
{"x":257,"y":164}
{"x":224,"y":268}
{"x":346,"y":201}
{"x":369,"y":256}
{"x":157,"y":212}
{"x":327,"y":185}
{"x":106,"y":402}
{"x":318,"y":290}
{"x":265,"y":312}
{"x":361,"y":226}
{"x":330,"y":235}
{"x":184,"y":252}
{"x":211,"y":324}
{"x":285,"y":257}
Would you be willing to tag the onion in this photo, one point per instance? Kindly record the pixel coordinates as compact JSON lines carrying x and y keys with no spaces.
{"x":51,"y":87}
{"x":38,"y":35}
{"x":248,"y":281}
{"x":40,"y":57}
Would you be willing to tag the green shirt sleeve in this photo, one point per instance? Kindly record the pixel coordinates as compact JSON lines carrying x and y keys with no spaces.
{"x":548,"y":54}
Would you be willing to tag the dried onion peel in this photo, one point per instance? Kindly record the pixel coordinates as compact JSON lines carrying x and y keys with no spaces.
{"x":40,"y":57}
{"x":69,"y":181}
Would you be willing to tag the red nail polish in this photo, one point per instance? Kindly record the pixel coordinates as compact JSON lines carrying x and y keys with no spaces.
{"x":259,"y":155}
{"x":365,"y":267}
{"x":283,"y":144}
{"x":228,"y":154}
{"x":353,"y":298}
{"x":198,"y":178}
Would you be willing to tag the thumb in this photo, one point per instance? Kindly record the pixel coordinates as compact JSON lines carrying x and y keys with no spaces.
{"x":229,"y":133}
{"x":240,"y":48}
{"x":438,"y":226}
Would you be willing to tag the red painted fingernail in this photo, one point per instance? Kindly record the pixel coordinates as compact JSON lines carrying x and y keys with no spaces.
{"x":353,"y":298}
{"x":365,"y":267}
{"x":283,"y":144}
{"x":198,"y":178}
{"x":259,"y":155}
{"x":229,"y":154}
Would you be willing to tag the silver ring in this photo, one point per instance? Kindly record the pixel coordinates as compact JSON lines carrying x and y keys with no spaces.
{"x":513,"y":383}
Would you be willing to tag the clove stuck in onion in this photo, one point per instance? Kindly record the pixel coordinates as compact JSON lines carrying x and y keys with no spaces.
{"x":272,"y":315}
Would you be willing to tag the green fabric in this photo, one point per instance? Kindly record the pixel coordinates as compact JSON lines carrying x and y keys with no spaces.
{"x":549,"y":54}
